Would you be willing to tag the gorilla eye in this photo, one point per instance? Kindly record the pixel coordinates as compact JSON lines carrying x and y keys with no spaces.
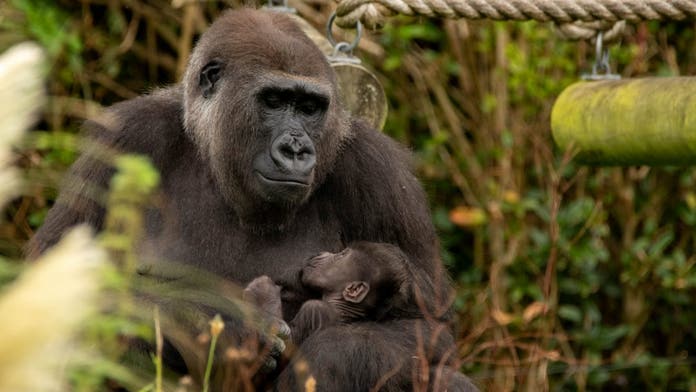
{"x":273,"y":99}
{"x":210,"y":74}
{"x":311,"y":105}
{"x":308,"y":107}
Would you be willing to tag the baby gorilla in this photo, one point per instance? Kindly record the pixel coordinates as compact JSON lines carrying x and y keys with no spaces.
{"x":366,"y":281}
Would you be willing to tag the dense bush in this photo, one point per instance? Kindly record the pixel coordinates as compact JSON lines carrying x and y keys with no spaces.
{"x":568,"y":277}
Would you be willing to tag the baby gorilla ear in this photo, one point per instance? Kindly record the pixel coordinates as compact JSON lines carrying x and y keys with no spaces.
{"x":355,"y":292}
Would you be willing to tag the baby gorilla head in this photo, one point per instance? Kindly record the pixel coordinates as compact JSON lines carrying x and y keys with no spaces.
{"x":360,"y":280}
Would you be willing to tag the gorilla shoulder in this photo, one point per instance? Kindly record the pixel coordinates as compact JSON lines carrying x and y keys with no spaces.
{"x":150,"y":124}
{"x":381,"y":198}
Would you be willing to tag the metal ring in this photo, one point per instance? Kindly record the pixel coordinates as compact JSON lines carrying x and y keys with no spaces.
{"x":598,"y":45}
{"x":601,"y":69}
{"x":601,"y":56}
{"x":345,"y":49}
{"x":604,"y":62}
{"x":341,"y":47}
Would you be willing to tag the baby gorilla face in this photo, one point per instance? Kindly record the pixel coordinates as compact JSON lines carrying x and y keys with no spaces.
{"x":364,"y":281}
{"x":330,"y":272}
{"x":340,"y":277}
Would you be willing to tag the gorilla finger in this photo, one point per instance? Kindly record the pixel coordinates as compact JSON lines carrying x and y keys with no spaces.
{"x":283,"y":329}
{"x":277,"y":347}
{"x":269,"y":365}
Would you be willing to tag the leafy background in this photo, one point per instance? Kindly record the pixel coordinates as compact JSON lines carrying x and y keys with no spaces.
{"x":568,"y":277}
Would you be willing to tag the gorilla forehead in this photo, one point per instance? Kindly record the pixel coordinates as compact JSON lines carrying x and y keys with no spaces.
{"x":258,"y":41}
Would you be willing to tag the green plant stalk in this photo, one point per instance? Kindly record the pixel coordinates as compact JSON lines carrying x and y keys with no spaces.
{"x":158,"y":359}
{"x":146,"y":388}
{"x":158,"y":374}
{"x":209,"y":365}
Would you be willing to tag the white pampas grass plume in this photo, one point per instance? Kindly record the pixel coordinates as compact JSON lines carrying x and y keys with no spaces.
{"x":21,"y":95}
{"x":42,"y":311}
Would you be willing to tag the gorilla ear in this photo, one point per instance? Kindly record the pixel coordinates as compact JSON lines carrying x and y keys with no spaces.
{"x":209,"y":75}
{"x":355,"y":292}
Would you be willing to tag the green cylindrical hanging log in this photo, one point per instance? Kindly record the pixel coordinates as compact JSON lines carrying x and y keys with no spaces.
{"x":649,"y":121}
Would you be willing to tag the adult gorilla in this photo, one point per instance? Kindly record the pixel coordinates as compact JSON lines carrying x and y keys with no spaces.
{"x":262,"y":168}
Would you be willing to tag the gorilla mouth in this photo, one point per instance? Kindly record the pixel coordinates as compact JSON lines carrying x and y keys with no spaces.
{"x":283,"y":181}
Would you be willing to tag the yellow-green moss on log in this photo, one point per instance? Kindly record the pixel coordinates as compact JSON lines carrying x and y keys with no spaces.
{"x":648,"y":121}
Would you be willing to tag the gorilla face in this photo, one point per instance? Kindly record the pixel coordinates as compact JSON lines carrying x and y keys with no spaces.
{"x":290,"y":110}
{"x":260,"y":102}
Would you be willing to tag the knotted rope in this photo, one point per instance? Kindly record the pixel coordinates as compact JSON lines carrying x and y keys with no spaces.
{"x":563,"y":12}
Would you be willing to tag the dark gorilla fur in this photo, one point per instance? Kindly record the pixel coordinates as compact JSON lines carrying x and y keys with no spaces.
{"x":254,"y":181}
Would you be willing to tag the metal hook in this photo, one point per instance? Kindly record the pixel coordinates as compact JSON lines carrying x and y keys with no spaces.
{"x":344,"y":47}
{"x":601,"y":69}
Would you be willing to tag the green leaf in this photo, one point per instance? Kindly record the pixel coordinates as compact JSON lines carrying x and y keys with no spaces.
{"x":570,"y":313}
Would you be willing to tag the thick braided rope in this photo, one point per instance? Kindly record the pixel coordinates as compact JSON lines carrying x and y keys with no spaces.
{"x":372,"y":12}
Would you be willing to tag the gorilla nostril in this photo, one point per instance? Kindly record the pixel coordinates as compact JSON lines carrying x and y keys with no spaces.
{"x":287,"y":151}
{"x":304,"y":153}
{"x":294,"y":154}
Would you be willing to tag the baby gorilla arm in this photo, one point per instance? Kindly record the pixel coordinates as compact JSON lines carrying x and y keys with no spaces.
{"x":314,"y":315}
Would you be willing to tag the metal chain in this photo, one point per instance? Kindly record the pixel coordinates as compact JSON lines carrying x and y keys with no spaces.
{"x":372,"y":12}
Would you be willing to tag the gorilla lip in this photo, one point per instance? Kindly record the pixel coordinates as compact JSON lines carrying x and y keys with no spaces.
{"x":289,"y":181}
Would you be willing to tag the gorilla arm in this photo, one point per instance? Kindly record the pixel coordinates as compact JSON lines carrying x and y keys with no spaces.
{"x":145,"y":125}
{"x":382,"y":201}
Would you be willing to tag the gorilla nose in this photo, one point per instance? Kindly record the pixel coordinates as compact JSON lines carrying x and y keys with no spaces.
{"x":294,"y":153}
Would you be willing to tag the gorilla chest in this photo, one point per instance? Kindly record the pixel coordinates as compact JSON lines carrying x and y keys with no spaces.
{"x":282,"y":255}
{"x":196,"y":227}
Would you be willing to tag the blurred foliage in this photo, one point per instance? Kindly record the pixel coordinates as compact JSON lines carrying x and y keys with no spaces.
{"x":568,"y":277}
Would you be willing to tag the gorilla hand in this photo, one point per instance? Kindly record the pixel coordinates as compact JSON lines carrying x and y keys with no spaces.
{"x":264,"y":294}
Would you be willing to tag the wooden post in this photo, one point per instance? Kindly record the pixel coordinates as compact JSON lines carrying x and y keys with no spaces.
{"x":649,"y":121}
